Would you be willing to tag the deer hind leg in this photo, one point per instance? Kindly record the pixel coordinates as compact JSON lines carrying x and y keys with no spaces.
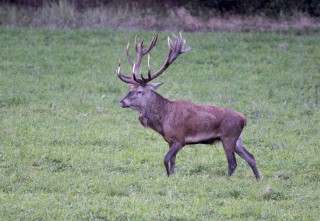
{"x":170,"y":158}
{"x":172,"y":163}
{"x":229,"y":148}
{"x":248,"y":157}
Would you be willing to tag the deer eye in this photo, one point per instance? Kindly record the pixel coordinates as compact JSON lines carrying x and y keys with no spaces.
{"x":139,"y":92}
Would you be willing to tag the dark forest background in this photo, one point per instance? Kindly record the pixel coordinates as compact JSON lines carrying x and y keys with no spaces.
{"x":270,"y":8}
{"x":183,"y":15}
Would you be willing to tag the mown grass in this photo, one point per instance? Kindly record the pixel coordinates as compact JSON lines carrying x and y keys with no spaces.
{"x":69,"y":152}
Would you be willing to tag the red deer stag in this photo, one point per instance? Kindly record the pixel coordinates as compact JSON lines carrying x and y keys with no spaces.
{"x":179,"y":122}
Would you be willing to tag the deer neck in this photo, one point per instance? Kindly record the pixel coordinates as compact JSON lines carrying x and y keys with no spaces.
{"x":154,"y":112}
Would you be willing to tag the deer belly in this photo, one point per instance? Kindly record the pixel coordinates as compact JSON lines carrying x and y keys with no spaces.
{"x":204,"y":138}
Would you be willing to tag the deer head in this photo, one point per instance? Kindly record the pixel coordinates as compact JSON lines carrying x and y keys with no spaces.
{"x":140,"y":88}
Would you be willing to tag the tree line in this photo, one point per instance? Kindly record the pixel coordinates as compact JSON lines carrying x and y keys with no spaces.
{"x":271,"y":8}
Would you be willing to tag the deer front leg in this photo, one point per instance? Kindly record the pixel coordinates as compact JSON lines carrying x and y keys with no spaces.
{"x":171,"y":158}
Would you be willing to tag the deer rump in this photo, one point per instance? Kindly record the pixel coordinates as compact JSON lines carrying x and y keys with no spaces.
{"x":180,"y":122}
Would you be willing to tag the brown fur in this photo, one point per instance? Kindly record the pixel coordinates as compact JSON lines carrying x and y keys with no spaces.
{"x":179,"y":122}
{"x":182,"y":123}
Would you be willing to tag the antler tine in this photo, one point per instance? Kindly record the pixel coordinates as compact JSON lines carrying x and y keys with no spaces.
{"x":128,"y":55}
{"x":143,"y":51}
{"x":123,"y":77}
{"x":175,"y":49}
{"x":184,"y":47}
{"x":136,"y":43}
{"x":170,"y":43}
{"x":151,"y":45}
{"x":135,"y":73}
{"x":149,"y":67}
{"x":140,"y":52}
{"x":149,"y":71}
{"x":139,"y":49}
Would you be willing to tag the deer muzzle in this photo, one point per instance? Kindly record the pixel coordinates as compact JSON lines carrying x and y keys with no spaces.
{"x":123,"y":104}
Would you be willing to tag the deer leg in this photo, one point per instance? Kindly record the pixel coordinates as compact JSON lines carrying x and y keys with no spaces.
{"x":248,"y":157}
{"x":229,"y":151}
{"x":171,"y":157}
{"x":232,"y":163}
{"x":172,"y":163}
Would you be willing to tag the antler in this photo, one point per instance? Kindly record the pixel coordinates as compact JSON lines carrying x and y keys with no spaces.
{"x":175,"y":49}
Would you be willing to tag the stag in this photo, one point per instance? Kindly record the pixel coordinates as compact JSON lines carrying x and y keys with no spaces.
{"x":181,"y":123}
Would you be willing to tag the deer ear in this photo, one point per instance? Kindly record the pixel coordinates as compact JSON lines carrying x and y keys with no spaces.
{"x":154,"y":86}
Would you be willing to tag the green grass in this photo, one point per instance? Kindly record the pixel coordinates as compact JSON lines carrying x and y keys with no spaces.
{"x":69,"y":152}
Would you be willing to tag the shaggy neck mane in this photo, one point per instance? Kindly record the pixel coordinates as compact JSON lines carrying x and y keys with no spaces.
{"x":154,"y":112}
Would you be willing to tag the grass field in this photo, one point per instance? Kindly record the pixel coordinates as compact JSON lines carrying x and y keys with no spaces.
{"x":69,"y":152}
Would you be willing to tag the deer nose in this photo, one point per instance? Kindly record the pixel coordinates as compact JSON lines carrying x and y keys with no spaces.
{"x":123,"y":104}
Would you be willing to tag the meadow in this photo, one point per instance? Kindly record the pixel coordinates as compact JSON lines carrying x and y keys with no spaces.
{"x":68,"y":151}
